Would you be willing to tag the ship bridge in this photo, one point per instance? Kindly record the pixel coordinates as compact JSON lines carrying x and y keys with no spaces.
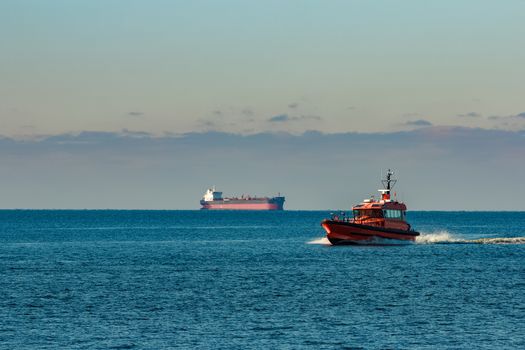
{"x":212,"y":195}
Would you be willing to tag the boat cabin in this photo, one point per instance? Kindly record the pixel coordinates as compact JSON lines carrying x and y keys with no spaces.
{"x":386,"y":212}
{"x":397,"y":211}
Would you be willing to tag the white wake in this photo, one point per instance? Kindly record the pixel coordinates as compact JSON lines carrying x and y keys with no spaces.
{"x":499,"y":240}
{"x":437,"y":237}
{"x":322,"y":241}
{"x":444,"y":237}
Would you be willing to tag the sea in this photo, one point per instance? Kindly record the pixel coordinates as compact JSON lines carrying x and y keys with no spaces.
{"x":111,"y":279}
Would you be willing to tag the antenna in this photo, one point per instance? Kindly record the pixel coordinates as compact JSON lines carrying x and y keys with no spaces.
{"x":388,"y":182}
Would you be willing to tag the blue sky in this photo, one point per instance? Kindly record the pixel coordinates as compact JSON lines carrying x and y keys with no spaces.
{"x":180,"y":66}
{"x":153,"y":72}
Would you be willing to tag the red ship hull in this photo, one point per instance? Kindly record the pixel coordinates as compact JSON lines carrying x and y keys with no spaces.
{"x":213,"y":200}
{"x":242,"y":206}
{"x":343,"y":232}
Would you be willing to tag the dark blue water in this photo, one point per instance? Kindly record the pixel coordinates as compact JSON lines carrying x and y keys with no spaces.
{"x":224,"y":280}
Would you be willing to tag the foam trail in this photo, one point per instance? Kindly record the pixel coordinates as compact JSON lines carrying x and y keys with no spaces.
{"x":444,"y":237}
{"x":322,"y":241}
{"x":437,"y":237}
{"x":499,"y":240}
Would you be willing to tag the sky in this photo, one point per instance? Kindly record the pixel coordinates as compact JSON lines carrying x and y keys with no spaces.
{"x":136,"y":82}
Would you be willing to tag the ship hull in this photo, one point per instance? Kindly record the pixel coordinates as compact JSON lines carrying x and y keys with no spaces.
{"x":275,"y":203}
{"x":245,"y":206}
{"x":341,"y":232}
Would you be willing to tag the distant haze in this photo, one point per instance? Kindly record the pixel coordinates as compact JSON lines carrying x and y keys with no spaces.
{"x":437,"y":168}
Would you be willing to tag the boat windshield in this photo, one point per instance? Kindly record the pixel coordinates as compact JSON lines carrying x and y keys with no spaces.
{"x":394,"y":214}
{"x":368,"y":213}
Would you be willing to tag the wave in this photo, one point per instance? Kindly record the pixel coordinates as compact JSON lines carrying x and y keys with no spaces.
{"x":322,"y":241}
{"x":499,"y":240}
{"x":444,"y":237}
{"x":437,"y":237}
{"x":129,"y":228}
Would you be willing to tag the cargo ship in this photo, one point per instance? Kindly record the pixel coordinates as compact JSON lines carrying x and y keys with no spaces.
{"x":373,"y":221}
{"x":213,"y":200}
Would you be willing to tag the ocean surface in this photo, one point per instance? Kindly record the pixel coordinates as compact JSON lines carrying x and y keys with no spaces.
{"x":248,"y":280}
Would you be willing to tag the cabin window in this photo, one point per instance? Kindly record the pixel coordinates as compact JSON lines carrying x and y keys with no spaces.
{"x":368,"y":213}
{"x":393,"y":214}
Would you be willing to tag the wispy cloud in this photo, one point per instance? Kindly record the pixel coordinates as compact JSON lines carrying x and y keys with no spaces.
{"x":286,"y":118}
{"x":469,"y":115}
{"x":512,"y":116}
{"x":135,"y":114}
{"x":139,"y":134}
{"x":293,"y":105}
{"x":310,"y":117}
{"x":265,"y":138}
{"x":418,"y":122}
{"x":279,"y":118}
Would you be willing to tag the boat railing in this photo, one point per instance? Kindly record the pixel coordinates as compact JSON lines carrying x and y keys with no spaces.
{"x":371,"y":221}
{"x":341,"y":216}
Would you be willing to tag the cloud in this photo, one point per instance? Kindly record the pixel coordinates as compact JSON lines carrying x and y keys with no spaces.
{"x":286,"y":118}
{"x":418,"y":122}
{"x":469,"y":115}
{"x":216,"y":124}
{"x":279,"y":118}
{"x":509,"y":120}
{"x":131,"y":169}
{"x":311,"y":117}
{"x":207,"y":122}
{"x":247,"y":112}
{"x":139,"y":134}
{"x":210,"y":140}
{"x":135,"y":114}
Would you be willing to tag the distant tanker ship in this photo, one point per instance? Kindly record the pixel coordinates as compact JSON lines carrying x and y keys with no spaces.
{"x":212,"y":199}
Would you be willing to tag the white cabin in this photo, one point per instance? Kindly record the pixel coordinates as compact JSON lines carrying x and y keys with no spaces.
{"x":212,"y":195}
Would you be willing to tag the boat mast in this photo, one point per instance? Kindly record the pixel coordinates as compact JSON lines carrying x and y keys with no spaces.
{"x":388,"y":184}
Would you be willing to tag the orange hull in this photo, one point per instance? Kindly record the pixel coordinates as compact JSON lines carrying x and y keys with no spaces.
{"x":343,"y":232}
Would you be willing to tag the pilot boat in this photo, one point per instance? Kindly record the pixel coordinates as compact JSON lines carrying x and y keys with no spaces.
{"x":373,"y":221}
